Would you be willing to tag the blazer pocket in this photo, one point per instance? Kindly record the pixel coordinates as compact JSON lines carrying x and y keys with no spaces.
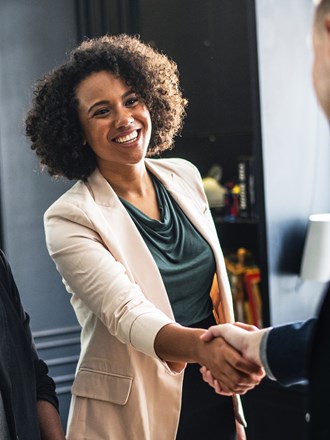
{"x":98,"y":385}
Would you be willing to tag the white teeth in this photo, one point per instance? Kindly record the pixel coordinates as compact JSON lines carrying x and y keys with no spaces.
{"x":130,"y":137}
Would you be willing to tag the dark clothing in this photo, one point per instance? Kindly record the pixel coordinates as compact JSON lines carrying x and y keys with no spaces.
{"x":301,"y":351}
{"x":319,"y":375}
{"x":23,"y":376}
{"x":288,"y":351}
{"x":204,"y":414}
{"x":184,"y":258}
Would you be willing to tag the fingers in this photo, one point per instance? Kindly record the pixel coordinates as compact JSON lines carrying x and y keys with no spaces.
{"x":244,"y":338}
{"x":233,"y":373}
{"x":244,"y":326}
{"x":207,"y":376}
{"x":233,"y":333}
{"x":214,"y":383}
{"x":244,"y":372}
{"x":226,"y":370}
{"x":226,"y":390}
{"x":223,"y":389}
{"x":213,"y":332}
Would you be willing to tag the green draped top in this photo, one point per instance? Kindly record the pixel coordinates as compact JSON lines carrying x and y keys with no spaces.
{"x":184,"y":258}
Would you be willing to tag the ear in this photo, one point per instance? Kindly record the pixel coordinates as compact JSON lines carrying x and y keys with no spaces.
{"x":326,"y":36}
{"x":327,"y":25}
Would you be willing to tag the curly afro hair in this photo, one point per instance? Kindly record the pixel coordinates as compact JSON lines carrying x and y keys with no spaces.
{"x":53,"y":126}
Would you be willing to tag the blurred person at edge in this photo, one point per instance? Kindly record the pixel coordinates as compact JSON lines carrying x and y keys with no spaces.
{"x":28,"y":402}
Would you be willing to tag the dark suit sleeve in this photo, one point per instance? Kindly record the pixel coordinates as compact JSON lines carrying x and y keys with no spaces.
{"x":45,"y":386}
{"x":319,"y":374}
{"x":287,"y":351}
{"x":44,"y":383}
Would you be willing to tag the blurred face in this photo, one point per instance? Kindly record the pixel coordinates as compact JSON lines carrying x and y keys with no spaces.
{"x":321,"y":66}
{"x":116,"y":123}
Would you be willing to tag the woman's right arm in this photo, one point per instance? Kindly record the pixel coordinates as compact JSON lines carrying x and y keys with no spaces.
{"x":93,"y":274}
{"x":99,"y":280}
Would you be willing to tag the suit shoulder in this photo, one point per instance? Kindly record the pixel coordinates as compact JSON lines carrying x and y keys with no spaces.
{"x":76,"y":195}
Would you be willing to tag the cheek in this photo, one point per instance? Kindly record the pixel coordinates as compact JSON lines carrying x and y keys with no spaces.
{"x":314,"y":74}
{"x":83,"y":127}
{"x":148,"y":120}
{"x":93,"y":130}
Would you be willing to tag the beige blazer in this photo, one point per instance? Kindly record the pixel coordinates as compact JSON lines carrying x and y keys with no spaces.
{"x":122,"y":390}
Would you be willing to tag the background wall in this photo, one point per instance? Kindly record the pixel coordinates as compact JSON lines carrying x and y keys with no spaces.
{"x":34,"y":36}
{"x":296,"y":151}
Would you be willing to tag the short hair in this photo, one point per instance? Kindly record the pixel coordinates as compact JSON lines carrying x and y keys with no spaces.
{"x":53,"y":125}
{"x":322,"y":8}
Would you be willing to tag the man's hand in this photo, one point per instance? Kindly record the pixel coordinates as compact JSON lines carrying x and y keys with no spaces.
{"x":243,"y":337}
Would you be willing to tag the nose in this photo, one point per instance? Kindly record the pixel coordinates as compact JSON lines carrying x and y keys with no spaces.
{"x":123,"y":117}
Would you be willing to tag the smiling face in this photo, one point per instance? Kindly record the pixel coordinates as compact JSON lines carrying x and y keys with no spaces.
{"x":116,"y":123}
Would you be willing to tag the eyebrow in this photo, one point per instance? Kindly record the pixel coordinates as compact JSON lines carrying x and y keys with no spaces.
{"x":106,"y":102}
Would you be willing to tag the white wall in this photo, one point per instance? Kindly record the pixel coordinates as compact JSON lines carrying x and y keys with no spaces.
{"x":296,"y":150}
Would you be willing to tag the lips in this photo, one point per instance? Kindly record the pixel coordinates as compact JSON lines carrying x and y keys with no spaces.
{"x":131,"y":137}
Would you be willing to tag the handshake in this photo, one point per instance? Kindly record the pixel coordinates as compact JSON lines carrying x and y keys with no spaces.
{"x":245,"y":368}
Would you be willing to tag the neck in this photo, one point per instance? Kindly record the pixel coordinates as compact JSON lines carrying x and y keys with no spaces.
{"x":128,"y":181}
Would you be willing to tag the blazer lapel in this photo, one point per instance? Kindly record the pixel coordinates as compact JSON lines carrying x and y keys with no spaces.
{"x":196,"y":210}
{"x":126,"y":244}
{"x":198,"y":213}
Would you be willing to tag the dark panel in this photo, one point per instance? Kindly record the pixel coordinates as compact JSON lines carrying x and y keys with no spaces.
{"x":99,"y":17}
{"x":274,"y":412}
{"x":212,"y":55}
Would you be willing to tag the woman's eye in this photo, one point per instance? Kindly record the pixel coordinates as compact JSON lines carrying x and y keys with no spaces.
{"x":132,"y":101}
{"x":101,"y":112}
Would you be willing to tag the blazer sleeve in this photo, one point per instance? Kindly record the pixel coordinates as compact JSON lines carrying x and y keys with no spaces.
{"x":99,"y":280}
{"x":45,"y":386}
{"x":288,"y":349}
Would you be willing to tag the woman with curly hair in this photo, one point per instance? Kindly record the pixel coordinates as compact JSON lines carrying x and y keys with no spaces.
{"x":136,"y":246}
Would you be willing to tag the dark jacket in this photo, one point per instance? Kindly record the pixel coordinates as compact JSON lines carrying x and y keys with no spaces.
{"x":320,"y":375}
{"x":23,"y":376}
{"x":288,"y":351}
{"x":301,"y":351}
